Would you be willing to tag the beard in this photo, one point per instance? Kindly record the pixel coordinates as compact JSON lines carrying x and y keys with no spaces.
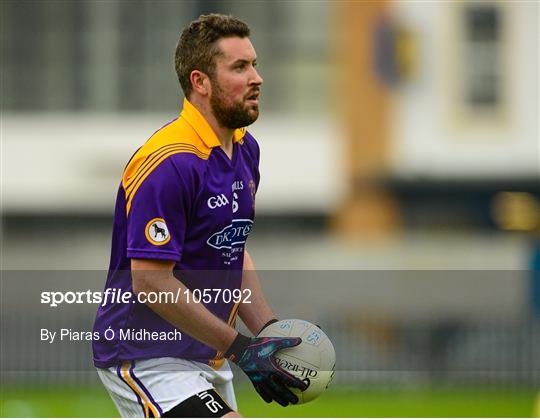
{"x":236,"y":115}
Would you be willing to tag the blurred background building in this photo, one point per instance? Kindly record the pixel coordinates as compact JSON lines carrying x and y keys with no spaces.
{"x":396,"y":137}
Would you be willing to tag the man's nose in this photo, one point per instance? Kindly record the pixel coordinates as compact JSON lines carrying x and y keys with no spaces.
{"x":257,"y":79}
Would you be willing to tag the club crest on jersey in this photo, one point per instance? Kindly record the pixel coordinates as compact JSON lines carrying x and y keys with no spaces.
{"x":157,"y":232}
{"x":252,"y":190}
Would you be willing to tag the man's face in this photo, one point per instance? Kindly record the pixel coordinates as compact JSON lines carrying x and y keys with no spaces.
{"x":235,"y":84}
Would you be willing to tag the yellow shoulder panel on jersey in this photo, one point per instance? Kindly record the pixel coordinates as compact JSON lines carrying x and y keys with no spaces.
{"x":176,"y":137}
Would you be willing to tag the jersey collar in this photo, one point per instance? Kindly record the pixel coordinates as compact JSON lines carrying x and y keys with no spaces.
{"x":203,"y":129}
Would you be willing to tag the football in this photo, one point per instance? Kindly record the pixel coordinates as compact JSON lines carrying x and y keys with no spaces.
{"x":313,"y":361}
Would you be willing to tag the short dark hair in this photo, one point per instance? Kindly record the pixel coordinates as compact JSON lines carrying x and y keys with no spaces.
{"x":197,"y":49}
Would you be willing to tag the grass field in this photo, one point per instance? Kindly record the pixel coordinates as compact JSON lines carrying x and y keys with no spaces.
{"x":337,"y":402}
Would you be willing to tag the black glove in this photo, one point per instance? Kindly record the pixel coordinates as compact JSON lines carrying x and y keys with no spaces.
{"x":255,"y":357}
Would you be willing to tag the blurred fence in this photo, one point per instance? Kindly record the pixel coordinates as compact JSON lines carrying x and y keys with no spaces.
{"x":379,"y":353}
{"x":489,"y":352}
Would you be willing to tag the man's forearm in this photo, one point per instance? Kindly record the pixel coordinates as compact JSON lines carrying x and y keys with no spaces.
{"x":257,"y":313}
{"x":191,"y":317}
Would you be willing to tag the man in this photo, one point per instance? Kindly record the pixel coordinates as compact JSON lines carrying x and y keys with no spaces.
{"x":183,"y":213}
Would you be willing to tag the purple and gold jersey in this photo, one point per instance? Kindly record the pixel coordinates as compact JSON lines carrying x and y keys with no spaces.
{"x":181,"y":199}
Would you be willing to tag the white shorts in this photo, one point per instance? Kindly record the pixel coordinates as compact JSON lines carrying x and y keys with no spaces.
{"x":149,"y":388}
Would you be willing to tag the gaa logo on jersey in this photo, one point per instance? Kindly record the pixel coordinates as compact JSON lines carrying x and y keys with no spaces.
{"x":157,"y":232}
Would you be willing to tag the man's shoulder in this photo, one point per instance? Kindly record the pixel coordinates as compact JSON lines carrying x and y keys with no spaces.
{"x":176,"y":136}
{"x":249,"y":138}
{"x":251,"y":145}
{"x":176,"y":142}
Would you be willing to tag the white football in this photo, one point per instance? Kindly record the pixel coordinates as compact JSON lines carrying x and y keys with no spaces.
{"x":313,"y":361}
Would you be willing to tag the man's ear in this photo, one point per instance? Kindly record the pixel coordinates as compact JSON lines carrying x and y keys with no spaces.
{"x":200,"y":82}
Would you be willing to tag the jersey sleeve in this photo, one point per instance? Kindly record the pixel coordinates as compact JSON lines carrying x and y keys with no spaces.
{"x":158,"y":215}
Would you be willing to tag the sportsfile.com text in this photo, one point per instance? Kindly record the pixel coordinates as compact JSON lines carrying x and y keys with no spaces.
{"x":118,"y":296}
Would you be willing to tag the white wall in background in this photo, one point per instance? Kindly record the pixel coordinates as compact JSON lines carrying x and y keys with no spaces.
{"x":73,"y":162}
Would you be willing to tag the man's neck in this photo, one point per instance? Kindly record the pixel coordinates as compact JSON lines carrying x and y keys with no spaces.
{"x":224,"y":134}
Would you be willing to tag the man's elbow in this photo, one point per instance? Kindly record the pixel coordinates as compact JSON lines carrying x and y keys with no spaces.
{"x":148,"y":275}
{"x":140,"y":283}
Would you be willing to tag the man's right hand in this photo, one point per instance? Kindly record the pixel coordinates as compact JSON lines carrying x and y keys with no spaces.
{"x":255,"y":356}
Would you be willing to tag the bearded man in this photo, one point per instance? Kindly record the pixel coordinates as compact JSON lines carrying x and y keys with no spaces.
{"x":183,"y":213}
